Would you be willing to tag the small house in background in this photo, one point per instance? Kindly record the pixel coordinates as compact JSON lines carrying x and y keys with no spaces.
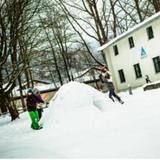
{"x":36,"y":82}
{"x":134,"y":54}
{"x":42,"y":85}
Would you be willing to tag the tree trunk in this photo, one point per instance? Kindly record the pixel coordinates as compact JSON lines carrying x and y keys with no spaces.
{"x":52,"y":78}
{"x":138,"y":10}
{"x":31,"y":78}
{"x":3,"y":108}
{"x":66,"y":65}
{"x":5,"y":102}
{"x":27,"y":78}
{"x":156,"y":4}
{"x":21,"y":93}
{"x":114,"y":18}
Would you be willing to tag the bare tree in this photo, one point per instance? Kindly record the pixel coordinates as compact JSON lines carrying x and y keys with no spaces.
{"x":59,"y":26}
{"x":52,"y":49}
{"x":12,"y":25}
{"x":89,"y":8}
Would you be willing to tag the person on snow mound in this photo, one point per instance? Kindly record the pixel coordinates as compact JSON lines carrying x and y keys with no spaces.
{"x":106,"y":78}
{"x":39,"y":102}
{"x":31,"y":102}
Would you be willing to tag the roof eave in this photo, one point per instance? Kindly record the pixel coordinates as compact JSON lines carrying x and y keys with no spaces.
{"x":148,"y":20}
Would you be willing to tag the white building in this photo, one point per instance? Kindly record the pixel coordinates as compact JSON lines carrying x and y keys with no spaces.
{"x":134,"y":54}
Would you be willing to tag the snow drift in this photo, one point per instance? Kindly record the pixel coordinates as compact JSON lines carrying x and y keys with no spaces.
{"x":73,"y":97}
{"x":79,"y":129}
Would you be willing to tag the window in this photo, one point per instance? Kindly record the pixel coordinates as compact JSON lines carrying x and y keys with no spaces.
{"x":115,"y":49}
{"x":131,"y":42}
{"x":150,"y":32}
{"x":137,"y":70}
{"x":121,"y":75}
{"x":156,"y":61}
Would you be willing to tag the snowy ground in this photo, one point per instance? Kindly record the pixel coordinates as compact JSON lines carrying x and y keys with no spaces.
{"x":83,"y":123}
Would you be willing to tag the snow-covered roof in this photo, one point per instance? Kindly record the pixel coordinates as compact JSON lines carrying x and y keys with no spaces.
{"x":136,"y":27}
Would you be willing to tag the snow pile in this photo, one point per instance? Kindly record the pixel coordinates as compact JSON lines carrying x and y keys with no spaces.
{"x":73,"y":98}
{"x":76,"y":95}
{"x":81,"y":130}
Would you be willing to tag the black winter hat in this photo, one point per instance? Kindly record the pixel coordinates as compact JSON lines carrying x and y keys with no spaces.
{"x":30,"y":90}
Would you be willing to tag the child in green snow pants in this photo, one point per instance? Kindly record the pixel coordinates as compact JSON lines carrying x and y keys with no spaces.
{"x":34,"y":118}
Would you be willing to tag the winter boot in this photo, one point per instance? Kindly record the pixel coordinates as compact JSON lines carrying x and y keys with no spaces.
{"x":121,"y":102}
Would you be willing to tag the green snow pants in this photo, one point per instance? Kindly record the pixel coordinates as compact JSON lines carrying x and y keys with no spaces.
{"x":34,"y":118}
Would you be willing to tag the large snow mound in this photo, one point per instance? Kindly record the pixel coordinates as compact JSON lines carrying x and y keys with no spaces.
{"x":73,"y":97}
{"x":76,"y":95}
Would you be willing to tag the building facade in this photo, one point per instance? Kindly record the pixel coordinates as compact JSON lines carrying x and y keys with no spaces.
{"x":135,"y":54}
